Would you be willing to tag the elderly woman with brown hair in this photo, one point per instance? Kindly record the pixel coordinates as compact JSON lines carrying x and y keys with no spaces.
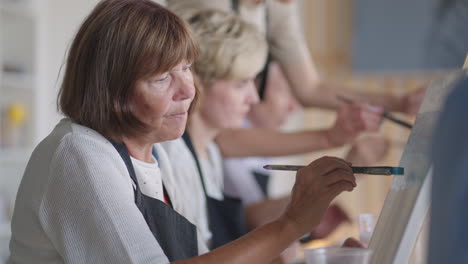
{"x":99,"y":188}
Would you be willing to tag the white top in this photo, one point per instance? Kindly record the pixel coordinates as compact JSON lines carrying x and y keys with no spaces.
{"x":185,"y":171}
{"x":76,"y":204}
{"x":149,"y":178}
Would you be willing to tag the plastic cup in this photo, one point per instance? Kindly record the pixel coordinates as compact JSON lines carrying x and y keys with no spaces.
{"x":338,"y":255}
{"x":366,"y":227}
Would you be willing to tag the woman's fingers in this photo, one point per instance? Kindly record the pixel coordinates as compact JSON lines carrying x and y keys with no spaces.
{"x":338,"y":176}
{"x":316,"y":186}
{"x":325,"y":172}
{"x":326,"y":165}
{"x":365,"y":117}
{"x":337,"y":188}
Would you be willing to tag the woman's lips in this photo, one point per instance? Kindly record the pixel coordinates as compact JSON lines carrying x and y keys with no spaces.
{"x":178,"y":115}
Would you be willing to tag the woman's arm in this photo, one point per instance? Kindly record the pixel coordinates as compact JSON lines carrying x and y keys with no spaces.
{"x":316,"y":186}
{"x":263,"y":142}
{"x":350,"y":122}
{"x":315,"y":92}
{"x":260,"y":246}
{"x":260,"y":213}
{"x":289,"y":48}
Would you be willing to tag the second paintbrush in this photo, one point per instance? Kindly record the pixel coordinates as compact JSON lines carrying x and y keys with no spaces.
{"x":358,"y":170}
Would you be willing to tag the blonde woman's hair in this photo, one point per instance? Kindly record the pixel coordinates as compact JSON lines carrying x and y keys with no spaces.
{"x":230,"y":48}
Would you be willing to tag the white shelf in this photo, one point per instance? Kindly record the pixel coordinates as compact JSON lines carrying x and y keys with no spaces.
{"x":21,"y":8}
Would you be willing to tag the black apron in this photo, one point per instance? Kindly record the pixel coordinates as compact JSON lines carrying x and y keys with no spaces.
{"x":262,"y":179}
{"x":226,"y":218}
{"x":174,"y":233}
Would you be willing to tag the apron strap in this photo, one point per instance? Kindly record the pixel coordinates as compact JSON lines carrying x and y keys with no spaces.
{"x":175,"y":234}
{"x":235,"y":5}
{"x":123,"y":152}
{"x":262,"y":77}
{"x":188,"y":142}
{"x":155,"y":154}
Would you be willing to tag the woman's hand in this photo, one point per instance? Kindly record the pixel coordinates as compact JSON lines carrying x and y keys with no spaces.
{"x":316,"y":186}
{"x":352,"y":120}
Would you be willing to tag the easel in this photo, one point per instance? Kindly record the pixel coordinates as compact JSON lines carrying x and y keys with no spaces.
{"x":408,"y":201}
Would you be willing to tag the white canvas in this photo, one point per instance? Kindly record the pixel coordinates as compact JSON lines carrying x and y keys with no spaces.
{"x":408,"y":201}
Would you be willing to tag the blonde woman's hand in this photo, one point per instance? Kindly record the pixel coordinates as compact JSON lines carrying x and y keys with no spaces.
{"x":316,"y":186}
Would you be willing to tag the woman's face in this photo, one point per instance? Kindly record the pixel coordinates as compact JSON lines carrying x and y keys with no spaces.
{"x":225,"y":104}
{"x":162,"y":101}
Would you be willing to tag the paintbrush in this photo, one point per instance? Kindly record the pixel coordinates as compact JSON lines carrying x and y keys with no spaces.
{"x":358,"y":170}
{"x":385,"y":114}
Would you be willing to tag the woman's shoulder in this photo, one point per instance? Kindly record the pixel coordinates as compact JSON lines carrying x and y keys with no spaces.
{"x":67,"y":130}
{"x":69,"y":154}
{"x":67,"y":135}
{"x":72,"y":142}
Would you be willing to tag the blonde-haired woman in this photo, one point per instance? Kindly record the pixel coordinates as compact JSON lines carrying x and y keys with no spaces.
{"x":232,"y":53}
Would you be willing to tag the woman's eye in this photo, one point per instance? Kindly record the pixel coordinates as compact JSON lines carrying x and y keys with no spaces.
{"x":242,"y":83}
{"x":163,"y":78}
{"x":186,"y":68}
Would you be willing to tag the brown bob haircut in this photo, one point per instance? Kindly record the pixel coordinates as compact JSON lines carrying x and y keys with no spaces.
{"x":120,"y":42}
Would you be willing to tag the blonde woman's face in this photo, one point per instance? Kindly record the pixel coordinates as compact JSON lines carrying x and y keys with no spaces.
{"x":162,"y":101}
{"x":225,"y":104}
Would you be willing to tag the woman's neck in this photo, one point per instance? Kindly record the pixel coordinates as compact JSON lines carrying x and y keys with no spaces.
{"x":201,"y":134}
{"x":139,"y":149}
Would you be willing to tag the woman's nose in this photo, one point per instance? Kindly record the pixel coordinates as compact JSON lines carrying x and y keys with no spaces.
{"x":186,"y":88}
